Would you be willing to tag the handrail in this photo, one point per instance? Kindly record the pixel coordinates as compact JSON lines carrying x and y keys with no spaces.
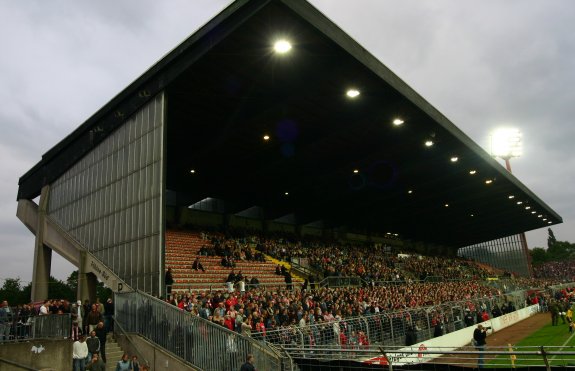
{"x":16,"y":364}
{"x":218,"y":286}
{"x":123,"y":332}
{"x":190,"y":338}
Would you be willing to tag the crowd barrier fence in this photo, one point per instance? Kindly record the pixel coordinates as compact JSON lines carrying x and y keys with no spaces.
{"x":191,"y":338}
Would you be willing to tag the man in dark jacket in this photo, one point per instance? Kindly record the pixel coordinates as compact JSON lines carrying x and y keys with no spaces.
{"x":93,"y":344}
{"x":101,"y":334}
{"x":249,"y":365}
{"x":479,"y":336}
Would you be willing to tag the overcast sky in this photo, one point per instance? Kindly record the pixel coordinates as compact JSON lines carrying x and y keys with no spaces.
{"x":483,"y":64}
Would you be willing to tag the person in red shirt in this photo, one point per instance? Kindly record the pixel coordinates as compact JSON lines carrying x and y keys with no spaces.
{"x":229,"y":322}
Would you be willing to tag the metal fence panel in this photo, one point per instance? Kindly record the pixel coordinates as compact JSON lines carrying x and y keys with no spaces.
{"x":193,"y":339}
{"x":389,"y":328}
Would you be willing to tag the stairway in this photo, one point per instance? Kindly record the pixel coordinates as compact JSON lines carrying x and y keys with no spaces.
{"x":113,"y":353}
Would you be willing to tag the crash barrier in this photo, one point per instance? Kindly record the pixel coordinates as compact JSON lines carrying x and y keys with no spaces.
{"x":507,"y":357}
{"x":22,"y":328}
{"x":393,"y":328}
{"x":192,"y":339}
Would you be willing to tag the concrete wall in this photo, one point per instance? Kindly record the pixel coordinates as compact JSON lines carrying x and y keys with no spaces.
{"x":456,"y":339}
{"x":158,"y":359}
{"x":40,"y":354}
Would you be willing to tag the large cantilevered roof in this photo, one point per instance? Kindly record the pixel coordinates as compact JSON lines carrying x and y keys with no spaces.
{"x":328,"y":156}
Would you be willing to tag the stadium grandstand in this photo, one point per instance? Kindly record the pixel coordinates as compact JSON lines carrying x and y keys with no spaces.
{"x":269,"y":186}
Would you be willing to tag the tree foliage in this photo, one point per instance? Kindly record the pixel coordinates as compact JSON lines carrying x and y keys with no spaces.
{"x":13,"y":291}
{"x":556,"y":251}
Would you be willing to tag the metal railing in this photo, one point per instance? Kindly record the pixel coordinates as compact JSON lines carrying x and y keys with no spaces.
{"x":191,"y":338}
{"x":23,"y":328}
{"x":363,"y":358}
{"x":342,"y":281}
{"x":219,"y":286}
{"x":385,"y":328}
{"x":129,"y":346}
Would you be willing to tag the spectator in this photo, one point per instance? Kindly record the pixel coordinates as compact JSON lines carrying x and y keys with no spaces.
{"x":249,"y":365}
{"x":93,"y":318}
{"x":96,"y":363}
{"x":169,"y":281}
{"x":79,"y":354}
{"x":197,"y":265}
{"x":6,"y":319}
{"x":135,"y":364}
{"x":78,"y":313}
{"x":109,"y":315}
{"x":93,"y":344}
{"x":124,"y":364}
{"x":101,"y":334}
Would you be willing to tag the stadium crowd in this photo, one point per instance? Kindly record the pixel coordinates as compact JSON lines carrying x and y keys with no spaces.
{"x":560,"y":270}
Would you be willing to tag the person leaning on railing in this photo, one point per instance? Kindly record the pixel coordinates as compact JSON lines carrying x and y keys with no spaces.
{"x":6,"y":319}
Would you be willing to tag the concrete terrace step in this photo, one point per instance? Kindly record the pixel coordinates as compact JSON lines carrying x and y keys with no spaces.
{"x":113,"y":353}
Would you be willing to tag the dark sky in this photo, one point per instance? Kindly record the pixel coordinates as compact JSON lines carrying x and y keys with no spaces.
{"x":483,"y":64}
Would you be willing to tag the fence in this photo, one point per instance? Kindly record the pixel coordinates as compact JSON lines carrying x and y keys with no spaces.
{"x":430,"y":359}
{"x":22,"y":328}
{"x":389,"y":328}
{"x":193,"y":339}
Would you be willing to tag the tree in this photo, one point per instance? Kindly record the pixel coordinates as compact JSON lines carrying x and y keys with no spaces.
{"x":561,"y":250}
{"x":538,"y":255}
{"x":551,"y":240}
{"x":59,"y":290}
{"x":12,"y":291}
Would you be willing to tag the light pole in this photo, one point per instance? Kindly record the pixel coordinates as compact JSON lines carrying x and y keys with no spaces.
{"x":506,"y":144}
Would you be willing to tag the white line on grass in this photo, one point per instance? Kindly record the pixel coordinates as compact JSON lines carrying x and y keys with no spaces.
{"x":562,"y":346}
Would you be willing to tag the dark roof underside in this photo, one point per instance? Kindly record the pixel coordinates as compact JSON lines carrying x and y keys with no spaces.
{"x":226,"y":89}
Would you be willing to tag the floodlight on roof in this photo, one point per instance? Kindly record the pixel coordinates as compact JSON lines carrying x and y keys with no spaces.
{"x":352,"y":93}
{"x":511,"y":197}
{"x":428,"y":143}
{"x":454,"y":159}
{"x":506,"y":143}
{"x":472,"y":172}
{"x":398,"y":122}
{"x":489,"y":181}
{"x":282,"y":46}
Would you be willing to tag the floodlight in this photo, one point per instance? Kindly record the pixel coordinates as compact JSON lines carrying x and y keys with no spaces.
{"x":282,"y":46}
{"x":506,"y":143}
{"x":352,"y":93}
{"x":397,"y":122}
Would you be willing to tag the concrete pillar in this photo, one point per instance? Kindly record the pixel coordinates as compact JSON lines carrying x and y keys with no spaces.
{"x":42,"y":253}
{"x":86,"y":281}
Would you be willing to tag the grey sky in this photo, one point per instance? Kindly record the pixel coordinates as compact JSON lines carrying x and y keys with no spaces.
{"x":482,"y":64}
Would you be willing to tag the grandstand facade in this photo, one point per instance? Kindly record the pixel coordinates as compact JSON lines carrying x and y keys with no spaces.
{"x":189,"y":133}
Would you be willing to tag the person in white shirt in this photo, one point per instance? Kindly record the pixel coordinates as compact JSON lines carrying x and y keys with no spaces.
{"x":44,"y":309}
{"x":79,"y":353}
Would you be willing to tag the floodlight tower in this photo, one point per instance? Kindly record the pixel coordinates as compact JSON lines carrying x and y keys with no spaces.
{"x":506,"y":144}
